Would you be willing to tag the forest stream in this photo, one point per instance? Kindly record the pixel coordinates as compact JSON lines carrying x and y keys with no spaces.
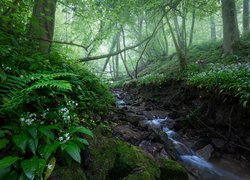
{"x":176,"y":145}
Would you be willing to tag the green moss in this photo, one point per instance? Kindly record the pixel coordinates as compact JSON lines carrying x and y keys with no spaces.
{"x":103,"y":154}
{"x":115,"y":159}
{"x":131,"y":159}
{"x":68,"y":173}
{"x":171,"y":170}
{"x":145,"y":175}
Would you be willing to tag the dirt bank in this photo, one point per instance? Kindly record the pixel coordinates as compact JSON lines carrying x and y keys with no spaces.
{"x":206,"y":116}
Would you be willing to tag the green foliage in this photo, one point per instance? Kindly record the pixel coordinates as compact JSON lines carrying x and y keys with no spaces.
{"x":46,"y":103}
{"x":232,"y":78}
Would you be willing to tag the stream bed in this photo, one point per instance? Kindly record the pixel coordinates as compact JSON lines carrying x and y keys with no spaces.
{"x":197,"y":166}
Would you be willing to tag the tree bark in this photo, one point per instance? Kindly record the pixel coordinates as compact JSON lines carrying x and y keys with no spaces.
{"x":165,"y":39}
{"x":42,"y":23}
{"x":230,"y":26}
{"x":192,"y":30}
{"x":213,"y":28}
{"x":245,"y":16}
{"x":124,"y":58}
{"x":179,"y":50}
{"x":111,"y":50}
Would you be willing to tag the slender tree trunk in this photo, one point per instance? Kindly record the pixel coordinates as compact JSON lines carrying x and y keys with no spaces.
{"x":192,"y":29}
{"x":245,"y":16}
{"x":179,"y":51}
{"x":165,"y":39}
{"x":117,"y":59}
{"x":111,"y":50}
{"x":124,"y":58}
{"x":213,"y":28}
{"x":230,"y":26}
{"x":179,"y":32}
{"x":43,"y":22}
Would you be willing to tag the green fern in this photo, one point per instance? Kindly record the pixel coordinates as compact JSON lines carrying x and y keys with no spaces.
{"x":15,"y":90}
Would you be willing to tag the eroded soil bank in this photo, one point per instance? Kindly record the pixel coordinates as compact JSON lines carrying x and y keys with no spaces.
{"x":213,"y":125}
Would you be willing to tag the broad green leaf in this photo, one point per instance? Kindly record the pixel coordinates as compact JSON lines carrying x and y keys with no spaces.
{"x":81,"y":130}
{"x":8,"y":161}
{"x":33,"y":167}
{"x":83,"y":141}
{"x":33,"y":132}
{"x":33,"y":145}
{"x":74,"y":151}
{"x":49,"y":149}
{"x":46,"y":132}
{"x":21,"y":141}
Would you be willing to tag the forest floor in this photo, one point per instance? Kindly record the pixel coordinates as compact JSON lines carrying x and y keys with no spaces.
{"x":203,"y":129}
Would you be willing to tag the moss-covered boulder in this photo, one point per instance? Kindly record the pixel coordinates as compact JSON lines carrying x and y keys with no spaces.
{"x":171,"y":170}
{"x":102,"y":154}
{"x":132,"y":163}
{"x":113,"y":159}
{"x":68,"y":173}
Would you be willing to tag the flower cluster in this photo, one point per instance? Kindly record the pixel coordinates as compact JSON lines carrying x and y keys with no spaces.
{"x":6,"y":68}
{"x":71,"y":103}
{"x":65,"y":114}
{"x":64,"y":138}
{"x":29,"y":119}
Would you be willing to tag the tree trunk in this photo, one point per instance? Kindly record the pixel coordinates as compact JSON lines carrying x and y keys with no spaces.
{"x":192,"y":29}
{"x":245,"y":16}
{"x":230,"y":26}
{"x":42,"y":23}
{"x":165,"y":39}
{"x":213,"y":28}
{"x":124,"y":59}
{"x":117,"y":59}
{"x":179,"y":51}
{"x":111,"y":50}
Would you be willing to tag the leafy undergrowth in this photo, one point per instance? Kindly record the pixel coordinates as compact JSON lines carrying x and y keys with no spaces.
{"x":207,"y":68}
{"x":232,"y":78}
{"x":47,"y":103}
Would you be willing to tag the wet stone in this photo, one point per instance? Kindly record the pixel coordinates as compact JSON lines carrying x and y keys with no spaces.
{"x":206,"y":152}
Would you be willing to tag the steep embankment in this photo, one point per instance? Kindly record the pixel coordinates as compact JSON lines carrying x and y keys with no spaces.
{"x":199,"y":113}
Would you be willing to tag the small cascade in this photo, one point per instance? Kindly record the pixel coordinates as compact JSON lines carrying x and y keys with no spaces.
{"x":193,"y":162}
{"x":196,"y":165}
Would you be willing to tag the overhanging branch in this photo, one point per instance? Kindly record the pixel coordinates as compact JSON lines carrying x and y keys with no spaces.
{"x":112,"y":54}
{"x":60,"y":42}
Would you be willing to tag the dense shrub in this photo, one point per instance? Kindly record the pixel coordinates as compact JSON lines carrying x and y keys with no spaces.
{"x":46,"y":104}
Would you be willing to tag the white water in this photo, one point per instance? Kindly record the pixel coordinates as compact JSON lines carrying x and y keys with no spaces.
{"x":189,"y":159}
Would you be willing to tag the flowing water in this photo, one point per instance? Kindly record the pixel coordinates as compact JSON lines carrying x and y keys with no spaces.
{"x":196,"y":165}
{"x":193,"y":162}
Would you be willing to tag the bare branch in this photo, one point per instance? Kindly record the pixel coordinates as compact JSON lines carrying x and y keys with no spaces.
{"x":112,"y":54}
{"x":60,"y":42}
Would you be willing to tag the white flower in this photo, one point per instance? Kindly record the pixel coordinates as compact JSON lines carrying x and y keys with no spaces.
{"x":60,"y":138}
{"x":50,"y":166}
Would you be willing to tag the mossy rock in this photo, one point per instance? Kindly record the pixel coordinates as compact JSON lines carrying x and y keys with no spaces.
{"x":145,"y":175}
{"x":68,"y":173}
{"x":102,"y":154}
{"x":132,"y":163}
{"x":172,"y":170}
{"x":115,"y":159}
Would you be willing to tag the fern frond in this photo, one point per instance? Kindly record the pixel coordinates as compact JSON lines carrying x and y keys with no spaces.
{"x":15,"y":90}
{"x":35,"y":77}
{"x":57,"y":84}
